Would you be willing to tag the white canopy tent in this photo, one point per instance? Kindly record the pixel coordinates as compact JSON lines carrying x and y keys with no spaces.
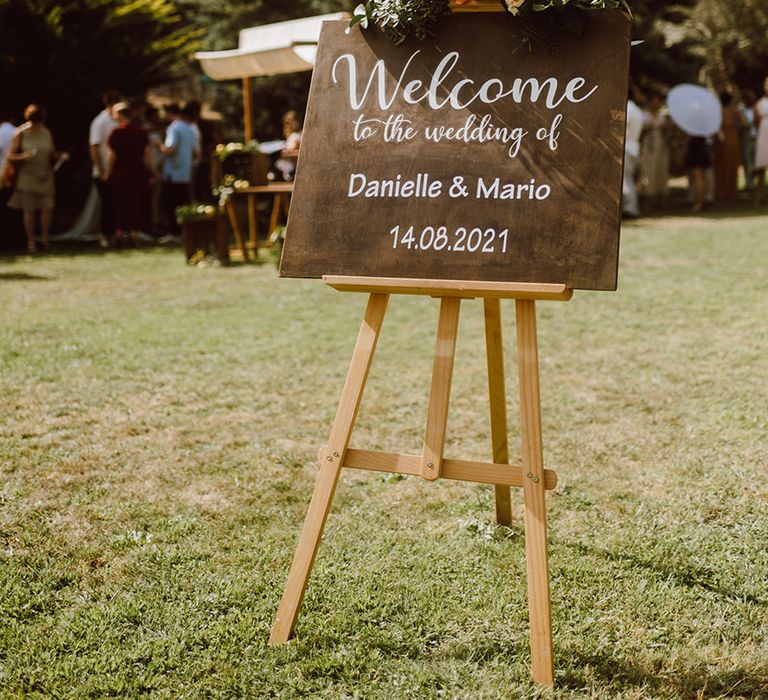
{"x":272,"y":49}
{"x":284,"y":47}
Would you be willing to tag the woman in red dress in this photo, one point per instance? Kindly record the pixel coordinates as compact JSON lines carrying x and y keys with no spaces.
{"x":131,"y":172}
{"x":728,"y":149}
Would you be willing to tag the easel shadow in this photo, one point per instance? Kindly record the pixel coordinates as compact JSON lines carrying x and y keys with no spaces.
{"x":586,"y":668}
{"x":678,"y":571}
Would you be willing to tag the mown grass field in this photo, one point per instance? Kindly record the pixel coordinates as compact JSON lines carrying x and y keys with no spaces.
{"x":158,"y":431}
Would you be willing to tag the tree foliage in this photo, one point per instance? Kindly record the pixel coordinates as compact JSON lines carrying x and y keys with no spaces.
{"x":667,"y":54}
{"x":733,"y":39}
{"x":223,"y":21}
{"x":65,"y":54}
{"x":270,"y":96}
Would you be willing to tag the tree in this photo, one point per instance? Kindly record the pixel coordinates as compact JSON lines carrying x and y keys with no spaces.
{"x":271,"y":96}
{"x":734,"y":39}
{"x":667,"y":54}
{"x":64,"y":54}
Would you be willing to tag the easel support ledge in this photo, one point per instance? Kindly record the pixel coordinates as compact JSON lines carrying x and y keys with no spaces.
{"x":449,"y":288}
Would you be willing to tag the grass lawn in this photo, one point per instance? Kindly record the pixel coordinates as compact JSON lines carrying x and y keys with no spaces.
{"x":159,"y":426}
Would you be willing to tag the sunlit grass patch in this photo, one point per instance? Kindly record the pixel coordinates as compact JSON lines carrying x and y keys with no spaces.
{"x":159,"y":427}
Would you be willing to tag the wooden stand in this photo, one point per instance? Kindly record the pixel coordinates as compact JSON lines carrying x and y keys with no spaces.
{"x":200,"y":233}
{"x":431,"y":464}
{"x":281,"y":201}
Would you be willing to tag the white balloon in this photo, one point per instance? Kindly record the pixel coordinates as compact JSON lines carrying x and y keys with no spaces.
{"x":695,"y":110}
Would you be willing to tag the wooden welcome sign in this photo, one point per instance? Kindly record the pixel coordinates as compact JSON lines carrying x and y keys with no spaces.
{"x":464,"y":156}
{"x":458,"y":168}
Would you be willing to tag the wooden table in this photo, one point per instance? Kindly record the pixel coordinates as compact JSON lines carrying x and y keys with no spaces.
{"x":281,"y":199}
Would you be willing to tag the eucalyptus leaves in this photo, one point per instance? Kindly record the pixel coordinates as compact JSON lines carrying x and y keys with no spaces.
{"x":537,"y":21}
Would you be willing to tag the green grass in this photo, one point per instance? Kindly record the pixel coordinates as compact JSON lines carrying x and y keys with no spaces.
{"x":158,"y":431}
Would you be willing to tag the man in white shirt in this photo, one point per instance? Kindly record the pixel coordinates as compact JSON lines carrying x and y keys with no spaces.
{"x":98,"y":140}
{"x":7,"y":130}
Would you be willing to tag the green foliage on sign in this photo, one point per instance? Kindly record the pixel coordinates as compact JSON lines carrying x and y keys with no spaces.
{"x":399,"y":19}
{"x":538,"y":21}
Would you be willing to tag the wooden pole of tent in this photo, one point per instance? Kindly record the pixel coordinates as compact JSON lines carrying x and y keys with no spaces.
{"x":248,"y":124}
{"x":247,"y":110}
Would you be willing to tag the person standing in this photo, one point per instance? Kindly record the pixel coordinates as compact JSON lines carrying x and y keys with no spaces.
{"x":131,"y":169}
{"x":33,"y":149}
{"x":698,"y":161}
{"x":154,"y":128}
{"x":728,"y":149}
{"x":654,"y":154}
{"x":7,"y":131}
{"x":629,"y":203}
{"x":761,"y":145}
{"x":190,"y":118}
{"x":178,"y":150}
{"x":98,"y":141}
{"x":286,"y":164}
{"x":748,"y":136}
{"x":203,"y":186}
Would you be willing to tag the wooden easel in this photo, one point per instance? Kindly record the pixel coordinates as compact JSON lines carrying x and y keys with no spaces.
{"x":431,"y":464}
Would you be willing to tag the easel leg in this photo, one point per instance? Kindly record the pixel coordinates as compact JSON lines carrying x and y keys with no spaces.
{"x":498,"y":403}
{"x":330,"y":468}
{"x":533,"y":494}
{"x":440,"y":390}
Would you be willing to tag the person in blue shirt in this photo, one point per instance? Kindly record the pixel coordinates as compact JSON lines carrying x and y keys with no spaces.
{"x":178,"y":148}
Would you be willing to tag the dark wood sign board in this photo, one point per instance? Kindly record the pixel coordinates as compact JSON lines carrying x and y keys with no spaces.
{"x":463,"y":157}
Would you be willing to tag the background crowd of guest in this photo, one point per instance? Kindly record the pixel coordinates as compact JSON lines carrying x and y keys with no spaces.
{"x":145,"y":167}
{"x":656,"y":149}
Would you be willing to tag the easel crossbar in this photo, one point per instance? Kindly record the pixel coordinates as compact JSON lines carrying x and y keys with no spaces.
{"x":455,"y":469}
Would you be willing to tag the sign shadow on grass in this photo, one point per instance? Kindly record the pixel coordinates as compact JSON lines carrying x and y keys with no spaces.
{"x":22,"y":276}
